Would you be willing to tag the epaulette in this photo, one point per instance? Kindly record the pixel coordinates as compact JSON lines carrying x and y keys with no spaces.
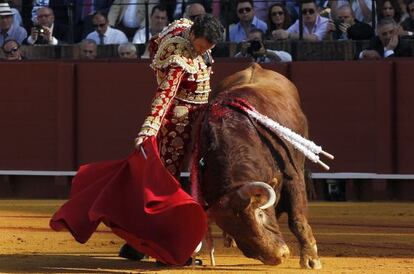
{"x":174,"y":48}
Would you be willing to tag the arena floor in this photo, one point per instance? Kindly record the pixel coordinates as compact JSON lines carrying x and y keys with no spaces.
{"x":352,"y":238}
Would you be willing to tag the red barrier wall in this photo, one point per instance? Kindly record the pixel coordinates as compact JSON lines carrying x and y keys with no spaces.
{"x":404,"y":73}
{"x":112,"y":102}
{"x":56,"y":116}
{"x":349,"y":108}
{"x":36,"y":116}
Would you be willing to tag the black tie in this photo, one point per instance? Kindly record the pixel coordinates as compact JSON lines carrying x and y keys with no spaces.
{"x":101,"y":39}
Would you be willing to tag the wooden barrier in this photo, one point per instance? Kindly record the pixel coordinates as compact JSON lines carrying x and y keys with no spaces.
{"x":59,"y":115}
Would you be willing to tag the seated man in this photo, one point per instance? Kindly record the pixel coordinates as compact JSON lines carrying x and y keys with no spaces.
{"x":11,"y":51}
{"x":46,"y":32}
{"x":127,"y":51}
{"x":87,"y":49}
{"x":247,"y":20}
{"x":348,"y":27}
{"x":128,"y":15}
{"x":387,"y":43}
{"x":104,"y":34}
{"x":315,"y":27}
{"x":158,"y":21}
{"x":255,"y":48}
{"x":194,"y":10}
{"x":8,"y":30}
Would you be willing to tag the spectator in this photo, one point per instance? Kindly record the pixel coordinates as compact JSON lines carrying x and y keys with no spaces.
{"x":47,"y":31}
{"x":362,"y":10}
{"x":128,"y":15}
{"x":158,"y":21}
{"x":408,"y":23}
{"x":315,"y":27}
{"x":387,"y":43}
{"x":7,"y":29}
{"x":194,"y":10}
{"x":255,"y":49}
{"x":127,"y":51}
{"x":277,"y":18}
{"x":333,"y":5}
{"x":104,"y":34}
{"x":88,"y":49}
{"x":11,"y":50}
{"x":247,"y":21}
{"x":261,"y":7}
{"x":403,"y":7}
{"x":390,"y":10}
{"x":347,"y":27}
{"x":80,"y":14}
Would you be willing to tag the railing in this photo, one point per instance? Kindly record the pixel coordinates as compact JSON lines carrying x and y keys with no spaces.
{"x":300,"y":50}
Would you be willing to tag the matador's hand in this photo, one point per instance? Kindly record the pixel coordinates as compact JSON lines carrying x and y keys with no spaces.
{"x":139,"y":140}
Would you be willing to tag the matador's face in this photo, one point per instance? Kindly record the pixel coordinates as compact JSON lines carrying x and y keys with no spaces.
{"x":200,"y":44}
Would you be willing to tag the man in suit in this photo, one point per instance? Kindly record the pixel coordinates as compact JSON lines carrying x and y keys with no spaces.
{"x":46,"y":31}
{"x":387,"y":43}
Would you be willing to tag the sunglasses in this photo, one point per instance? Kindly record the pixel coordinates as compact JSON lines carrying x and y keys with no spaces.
{"x":280,"y":13}
{"x":10,"y":52}
{"x":308,"y":11}
{"x":244,"y":10}
{"x":99,"y":25}
{"x":193,"y":17}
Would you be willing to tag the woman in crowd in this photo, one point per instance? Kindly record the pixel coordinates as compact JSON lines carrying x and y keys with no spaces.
{"x":277,"y":18}
{"x":389,"y":9}
{"x":408,"y":23}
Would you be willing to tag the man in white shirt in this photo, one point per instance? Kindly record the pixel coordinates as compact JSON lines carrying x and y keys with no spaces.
{"x":255,"y":49}
{"x":315,"y":27}
{"x":46,"y":32}
{"x":158,"y":21}
{"x":128,"y":15}
{"x":104,"y":34}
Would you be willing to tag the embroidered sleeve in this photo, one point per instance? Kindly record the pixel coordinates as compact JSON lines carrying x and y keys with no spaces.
{"x":167,"y":89}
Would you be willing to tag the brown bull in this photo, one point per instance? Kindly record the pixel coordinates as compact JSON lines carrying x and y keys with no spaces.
{"x":237,"y":151}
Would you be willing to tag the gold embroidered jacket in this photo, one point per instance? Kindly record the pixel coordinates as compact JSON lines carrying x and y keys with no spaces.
{"x":181,"y":74}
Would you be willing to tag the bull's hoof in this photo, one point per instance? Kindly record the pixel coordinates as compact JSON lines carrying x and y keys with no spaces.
{"x":310,"y":263}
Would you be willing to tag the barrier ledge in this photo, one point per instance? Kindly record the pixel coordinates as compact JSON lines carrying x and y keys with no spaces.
{"x":337,"y":175}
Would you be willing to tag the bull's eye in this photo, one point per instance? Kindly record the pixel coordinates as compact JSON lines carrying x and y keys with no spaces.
{"x":260,"y":215}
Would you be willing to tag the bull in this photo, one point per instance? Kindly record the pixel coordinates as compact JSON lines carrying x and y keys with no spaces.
{"x":250,"y":175}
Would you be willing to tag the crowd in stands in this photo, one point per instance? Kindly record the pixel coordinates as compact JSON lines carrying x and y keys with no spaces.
{"x":89,"y":23}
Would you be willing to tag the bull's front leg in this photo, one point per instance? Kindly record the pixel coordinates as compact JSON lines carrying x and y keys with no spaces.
{"x":298,"y":223}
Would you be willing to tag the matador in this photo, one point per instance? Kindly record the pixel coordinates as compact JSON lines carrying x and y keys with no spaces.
{"x":181,"y":60}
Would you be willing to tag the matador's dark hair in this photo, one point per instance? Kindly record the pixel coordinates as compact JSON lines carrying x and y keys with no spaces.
{"x":209,"y":27}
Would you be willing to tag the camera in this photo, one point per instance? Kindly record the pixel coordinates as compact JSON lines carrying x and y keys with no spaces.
{"x":40,"y":30}
{"x":254,"y":46}
{"x":338,"y":22}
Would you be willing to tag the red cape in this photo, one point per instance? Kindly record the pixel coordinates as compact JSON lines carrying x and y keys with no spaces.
{"x":140,"y":201}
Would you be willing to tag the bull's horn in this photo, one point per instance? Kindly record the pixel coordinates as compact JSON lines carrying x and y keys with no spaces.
{"x":253,"y":188}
